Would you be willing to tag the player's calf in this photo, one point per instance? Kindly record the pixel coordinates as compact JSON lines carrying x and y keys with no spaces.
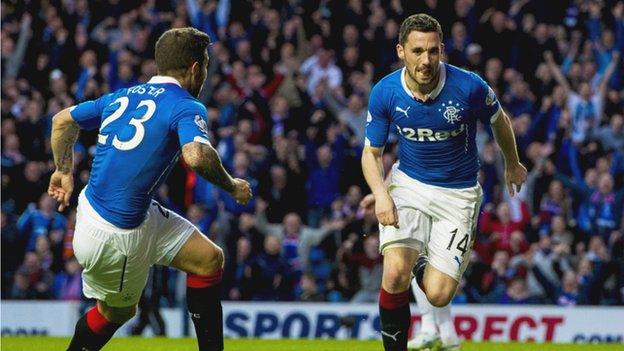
{"x":439,"y":287}
{"x":203,"y":261}
{"x":95,"y":328}
{"x":394,"y":297}
{"x":119,"y":315}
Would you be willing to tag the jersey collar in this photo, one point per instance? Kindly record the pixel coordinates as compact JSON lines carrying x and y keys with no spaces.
{"x":163,"y":80}
{"x":435,"y":92}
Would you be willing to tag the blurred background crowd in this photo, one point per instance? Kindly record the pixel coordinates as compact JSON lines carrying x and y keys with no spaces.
{"x":287,"y":102}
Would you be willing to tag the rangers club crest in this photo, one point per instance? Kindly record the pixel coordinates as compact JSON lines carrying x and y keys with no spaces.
{"x":451,"y":111}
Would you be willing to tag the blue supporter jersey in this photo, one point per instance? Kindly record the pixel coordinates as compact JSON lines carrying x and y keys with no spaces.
{"x":436,"y":137}
{"x":141,"y":131}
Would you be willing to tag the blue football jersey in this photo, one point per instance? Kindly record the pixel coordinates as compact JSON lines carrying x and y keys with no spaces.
{"x":436,"y":137}
{"x":141,"y":131}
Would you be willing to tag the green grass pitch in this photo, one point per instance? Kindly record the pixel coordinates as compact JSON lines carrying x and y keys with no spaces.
{"x":164,"y":344}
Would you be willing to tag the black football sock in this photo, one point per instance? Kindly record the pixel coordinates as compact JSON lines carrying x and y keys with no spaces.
{"x":395,"y":317}
{"x":92,"y":332}
{"x":203,"y":296}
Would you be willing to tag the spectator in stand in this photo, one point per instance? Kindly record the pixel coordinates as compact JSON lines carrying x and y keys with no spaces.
{"x":559,"y":232}
{"x":612,"y":135}
{"x":280,"y":196}
{"x":325,"y":165}
{"x":586,"y":106}
{"x":603,"y":205}
{"x":39,"y":280}
{"x":350,"y":208}
{"x":493,"y":282}
{"x":240,"y":169}
{"x":68,"y":283}
{"x":235,"y":275}
{"x":297,"y":239}
{"x":319,"y":69}
{"x":13,"y":247}
{"x":197,"y":215}
{"x":21,"y":289}
{"x":268,"y":272}
{"x":352,"y":114}
{"x":516,"y":293}
{"x":11,"y":154}
{"x":369,"y":265}
{"x":31,"y":185}
{"x":45,"y":255}
{"x":555,"y":202}
{"x":500,"y":229}
{"x":308,"y":289}
{"x":43,"y":221}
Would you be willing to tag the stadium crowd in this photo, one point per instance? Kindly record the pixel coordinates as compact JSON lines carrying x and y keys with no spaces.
{"x":286,"y":99}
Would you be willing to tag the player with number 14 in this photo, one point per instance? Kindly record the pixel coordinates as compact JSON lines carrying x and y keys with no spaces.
{"x":428,"y":211}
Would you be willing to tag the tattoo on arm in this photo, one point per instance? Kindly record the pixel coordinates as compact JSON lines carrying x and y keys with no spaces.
{"x":64,"y":135}
{"x":205,"y":160}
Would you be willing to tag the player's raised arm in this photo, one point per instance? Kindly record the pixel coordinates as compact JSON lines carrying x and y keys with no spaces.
{"x":64,"y":134}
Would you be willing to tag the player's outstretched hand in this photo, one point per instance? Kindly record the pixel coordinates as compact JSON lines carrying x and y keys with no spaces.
{"x":515,"y":175}
{"x":386,"y":211}
{"x":61,"y":188}
{"x":242,"y":191}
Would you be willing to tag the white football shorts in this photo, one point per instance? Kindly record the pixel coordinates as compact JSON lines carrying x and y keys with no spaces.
{"x":116,"y":261}
{"x":436,"y":220}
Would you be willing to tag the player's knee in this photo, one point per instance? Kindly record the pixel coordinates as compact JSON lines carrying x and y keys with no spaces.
{"x":396,"y":278}
{"x":439,"y":297}
{"x":213,"y":262}
{"x":217,"y":260}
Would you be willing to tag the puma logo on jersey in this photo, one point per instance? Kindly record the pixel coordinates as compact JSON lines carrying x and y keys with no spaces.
{"x":391,"y":336}
{"x":426,"y":134}
{"x":398,"y":109}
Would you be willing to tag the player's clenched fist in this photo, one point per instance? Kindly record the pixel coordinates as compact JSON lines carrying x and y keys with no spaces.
{"x":386,"y":210}
{"x":242,"y":191}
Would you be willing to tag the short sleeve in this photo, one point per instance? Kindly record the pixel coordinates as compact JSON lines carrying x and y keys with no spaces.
{"x":191,"y":123}
{"x":484,"y":101}
{"x":377,"y":119}
{"x":88,"y":114}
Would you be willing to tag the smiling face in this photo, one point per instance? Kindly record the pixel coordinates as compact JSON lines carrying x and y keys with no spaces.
{"x":421,"y":55}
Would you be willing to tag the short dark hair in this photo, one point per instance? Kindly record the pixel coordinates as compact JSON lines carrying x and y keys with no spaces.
{"x":420,"y":22}
{"x":177,"y":49}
